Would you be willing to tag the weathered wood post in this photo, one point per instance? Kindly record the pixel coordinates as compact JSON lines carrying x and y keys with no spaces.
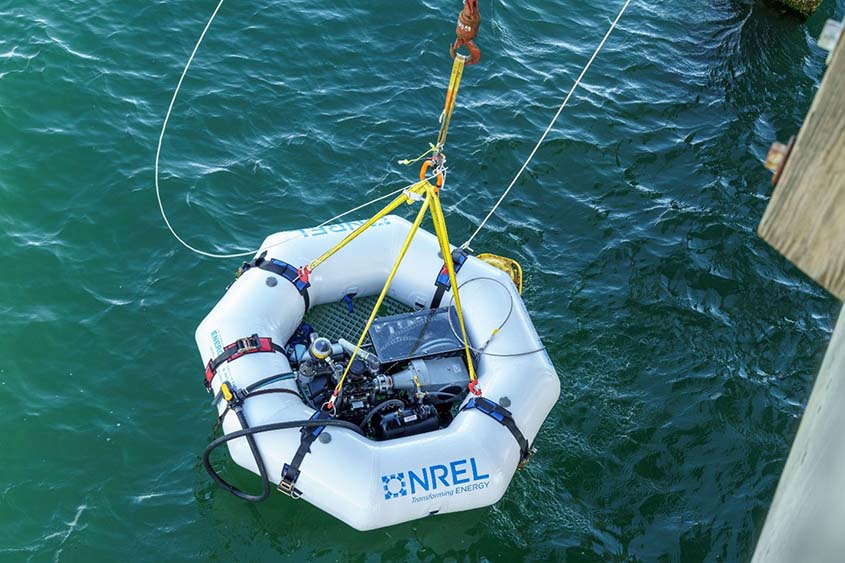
{"x":805,"y":219}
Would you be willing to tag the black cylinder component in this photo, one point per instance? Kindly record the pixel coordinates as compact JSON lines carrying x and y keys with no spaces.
{"x":317,"y":389}
{"x":356,"y":370}
{"x":408,"y":422}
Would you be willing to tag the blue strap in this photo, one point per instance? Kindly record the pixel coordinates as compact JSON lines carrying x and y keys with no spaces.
{"x":283,"y":269}
{"x":459,"y":257}
{"x":347,"y":300}
{"x":442,"y":283}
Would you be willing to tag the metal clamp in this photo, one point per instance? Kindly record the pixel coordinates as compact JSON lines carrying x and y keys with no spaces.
{"x":526,"y":458}
{"x":287,"y":487}
{"x":248,"y":344}
{"x":777,"y":157}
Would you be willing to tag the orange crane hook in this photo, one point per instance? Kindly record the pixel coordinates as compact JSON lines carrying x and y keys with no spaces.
{"x":469,"y":21}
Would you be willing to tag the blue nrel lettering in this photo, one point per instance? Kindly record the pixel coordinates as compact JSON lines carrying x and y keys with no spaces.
{"x":437,"y":477}
{"x":218,"y":344}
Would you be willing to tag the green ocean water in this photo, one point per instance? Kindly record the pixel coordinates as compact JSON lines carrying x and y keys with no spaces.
{"x":686,"y":347}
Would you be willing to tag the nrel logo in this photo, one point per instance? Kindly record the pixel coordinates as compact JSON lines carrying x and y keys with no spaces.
{"x":454,"y":478}
{"x":394,"y":485}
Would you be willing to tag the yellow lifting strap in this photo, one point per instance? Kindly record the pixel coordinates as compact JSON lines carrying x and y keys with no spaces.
{"x":405,"y":246}
{"x":420,"y":187}
{"x":451,"y":97}
{"x":432,"y":203}
{"x":508,"y":265}
{"x":430,"y":194}
{"x":445,"y":250}
{"x":410,"y":195}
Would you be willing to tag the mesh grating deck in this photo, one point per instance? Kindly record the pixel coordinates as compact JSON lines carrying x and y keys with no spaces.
{"x":334,"y":320}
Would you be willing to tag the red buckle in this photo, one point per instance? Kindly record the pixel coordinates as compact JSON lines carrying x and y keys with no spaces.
{"x":474,"y":388}
{"x":241,"y":347}
{"x":305,"y":274}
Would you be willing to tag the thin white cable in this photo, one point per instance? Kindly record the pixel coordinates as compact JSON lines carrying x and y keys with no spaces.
{"x":158,"y":155}
{"x":161,"y":140}
{"x":549,"y":128}
{"x":363,"y":205}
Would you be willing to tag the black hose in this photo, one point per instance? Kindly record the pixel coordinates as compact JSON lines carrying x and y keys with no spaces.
{"x":254,"y":394}
{"x":449,"y":397}
{"x":268,"y":380}
{"x":379,"y":407}
{"x":274,"y":390}
{"x":257,"y":384}
{"x":262,"y":469}
{"x":249,"y":433}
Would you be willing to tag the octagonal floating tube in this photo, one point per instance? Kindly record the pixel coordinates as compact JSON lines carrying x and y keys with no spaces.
{"x":366,"y":483}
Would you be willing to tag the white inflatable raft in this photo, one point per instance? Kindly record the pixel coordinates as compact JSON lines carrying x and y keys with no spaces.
{"x":365,"y":482}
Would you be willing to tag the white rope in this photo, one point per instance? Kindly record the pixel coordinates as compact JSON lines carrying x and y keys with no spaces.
{"x":380,"y":198}
{"x":363,"y":205}
{"x":158,"y":155}
{"x":549,"y":128}
{"x":161,"y":140}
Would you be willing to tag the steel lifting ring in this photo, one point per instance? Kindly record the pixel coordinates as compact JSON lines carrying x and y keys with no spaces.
{"x":426,"y":165}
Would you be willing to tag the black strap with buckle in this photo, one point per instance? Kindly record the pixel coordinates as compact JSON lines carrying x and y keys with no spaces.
{"x":291,"y":471}
{"x":504,"y":417}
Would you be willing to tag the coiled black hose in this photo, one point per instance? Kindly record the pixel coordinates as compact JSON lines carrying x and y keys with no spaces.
{"x":249,"y":433}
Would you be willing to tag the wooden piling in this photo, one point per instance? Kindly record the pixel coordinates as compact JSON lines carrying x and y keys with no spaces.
{"x":805,"y":219}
